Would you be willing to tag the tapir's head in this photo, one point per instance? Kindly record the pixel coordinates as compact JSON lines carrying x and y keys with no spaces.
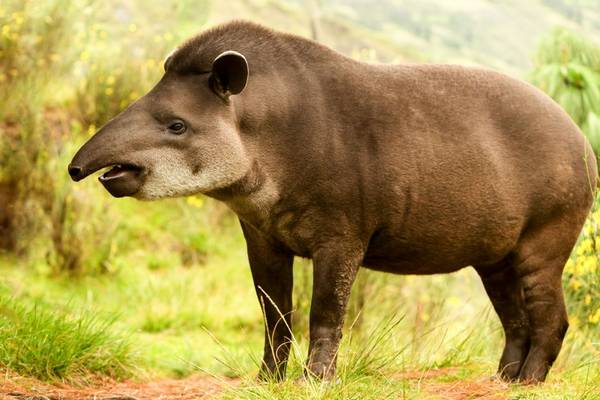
{"x":180,"y":138}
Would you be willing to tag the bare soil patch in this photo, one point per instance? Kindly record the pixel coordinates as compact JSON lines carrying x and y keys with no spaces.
{"x":431,"y":381}
{"x":193,"y":387}
{"x":434,"y":384}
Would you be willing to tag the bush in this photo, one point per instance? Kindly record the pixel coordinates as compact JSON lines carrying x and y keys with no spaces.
{"x":109,"y":89}
{"x":111,"y":77}
{"x":81,"y":228}
{"x":33,"y":43}
{"x":23,"y":180}
{"x":33,"y":35}
{"x":567,"y":67}
{"x":39,"y":205}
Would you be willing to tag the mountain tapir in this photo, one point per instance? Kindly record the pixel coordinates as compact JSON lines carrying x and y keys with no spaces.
{"x":408,"y":169}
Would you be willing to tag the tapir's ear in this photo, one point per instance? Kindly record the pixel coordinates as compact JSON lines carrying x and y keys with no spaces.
{"x":229,"y":73}
{"x":168,"y":59}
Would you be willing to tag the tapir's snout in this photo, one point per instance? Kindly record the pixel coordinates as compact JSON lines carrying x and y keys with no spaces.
{"x":110,"y":148}
{"x":76,"y":172}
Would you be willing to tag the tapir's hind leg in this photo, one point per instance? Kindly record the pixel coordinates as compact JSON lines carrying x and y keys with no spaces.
{"x":504,"y":289}
{"x":541,"y":281}
{"x":526,"y":291}
{"x":538,"y":262}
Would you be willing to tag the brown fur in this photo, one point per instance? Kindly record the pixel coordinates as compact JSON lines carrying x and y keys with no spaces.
{"x":409,"y":169}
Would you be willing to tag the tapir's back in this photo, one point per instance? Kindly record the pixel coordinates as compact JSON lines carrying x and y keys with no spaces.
{"x":473,"y":158}
{"x":459,"y":113}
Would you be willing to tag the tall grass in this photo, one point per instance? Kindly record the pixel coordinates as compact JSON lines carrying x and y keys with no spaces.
{"x":48,"y":344}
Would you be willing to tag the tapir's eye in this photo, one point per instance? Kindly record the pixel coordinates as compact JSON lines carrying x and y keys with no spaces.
{"x":177,"y":127}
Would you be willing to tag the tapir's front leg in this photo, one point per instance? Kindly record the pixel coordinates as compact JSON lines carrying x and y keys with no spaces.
{"x":273,"y":279}
{"x":334,"y":273}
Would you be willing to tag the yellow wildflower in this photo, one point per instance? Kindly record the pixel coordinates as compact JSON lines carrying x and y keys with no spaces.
{"x":575,"y":284}
{"x":109,"y":91}
{"x":587,"y":245}
{"x":132,"y":28}
{"x":588,"y":229}
{"x":585,"y":265}
{"x":587,"y":300}
{"x":570,"y":266}
{"x":195,"y":201}
{"x":18,"y":19}
{"x":453,"y":301}
{"x":574,"y":321}
{"x":595,"y":317}
{"x":110,"y":80}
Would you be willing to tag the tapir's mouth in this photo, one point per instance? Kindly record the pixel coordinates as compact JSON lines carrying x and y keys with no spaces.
{"x":123,"y":179}
{"x":119,"y":170}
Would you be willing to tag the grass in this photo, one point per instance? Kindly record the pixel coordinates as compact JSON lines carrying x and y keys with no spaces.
{"x":417,"y":336}
{"x":49,"y":344}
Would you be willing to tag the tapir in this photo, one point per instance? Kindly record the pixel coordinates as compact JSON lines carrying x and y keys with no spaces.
{"x":408,"y":169}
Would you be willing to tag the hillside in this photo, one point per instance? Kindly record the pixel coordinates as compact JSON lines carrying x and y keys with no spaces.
{"x":502,"y":34}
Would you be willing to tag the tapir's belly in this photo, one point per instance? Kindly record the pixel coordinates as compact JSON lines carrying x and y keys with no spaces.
{"x":432,"y":252}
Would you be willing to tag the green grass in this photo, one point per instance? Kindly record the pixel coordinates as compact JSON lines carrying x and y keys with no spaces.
{"x":205,"y":319}
{"x":50,"y":344}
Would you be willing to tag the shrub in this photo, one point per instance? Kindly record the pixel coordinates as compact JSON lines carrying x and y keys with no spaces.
{"x":33,"y":35}
{"x":33,"y":42}
{"x":567,"y":67}
{"x":38,"y":204}
{"x":111,"y":77}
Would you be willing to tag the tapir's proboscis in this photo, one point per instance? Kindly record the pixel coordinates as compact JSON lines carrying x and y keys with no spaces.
{"x":408,"y":169}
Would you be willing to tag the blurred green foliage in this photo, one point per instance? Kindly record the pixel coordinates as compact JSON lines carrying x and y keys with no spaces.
{"x":62,"y":76}
{"x":567,"y":67}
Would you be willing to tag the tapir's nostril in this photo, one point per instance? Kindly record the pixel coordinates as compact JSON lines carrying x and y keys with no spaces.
{"x":74,"y":171}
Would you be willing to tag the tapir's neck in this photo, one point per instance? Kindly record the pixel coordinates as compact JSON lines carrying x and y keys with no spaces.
{"x":250,"y":197}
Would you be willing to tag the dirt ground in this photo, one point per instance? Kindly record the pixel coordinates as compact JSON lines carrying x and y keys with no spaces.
{"x":193,"y":387}
{"x":203,"y":386}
